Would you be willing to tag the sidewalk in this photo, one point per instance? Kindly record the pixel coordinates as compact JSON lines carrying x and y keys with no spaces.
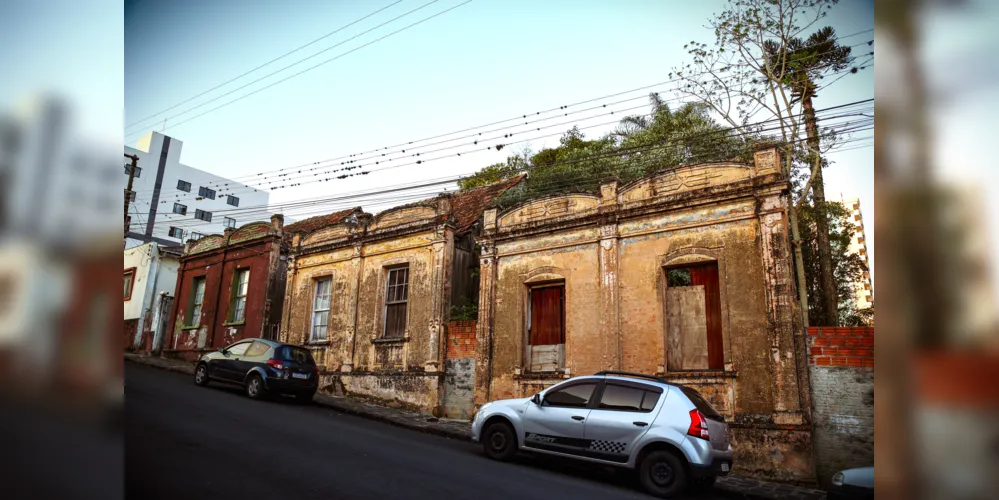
{"x":732,"y":486}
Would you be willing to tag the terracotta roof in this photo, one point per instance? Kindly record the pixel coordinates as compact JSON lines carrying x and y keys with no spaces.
{"x":468,"y":206}
{"x":313,"y":223}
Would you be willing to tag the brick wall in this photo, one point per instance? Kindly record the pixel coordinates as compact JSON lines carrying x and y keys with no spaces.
{"x":461,"y":339}
{"x":459,"y":370}
{"x":841,"y":369}
{"x":841,"y":346}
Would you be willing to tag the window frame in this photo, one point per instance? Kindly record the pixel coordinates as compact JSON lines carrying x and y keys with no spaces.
{"x":196,"y":235}
{"x":200,"y":215}
{"x":131,"y":284}
{"x":528,"y":322}
{"x":229,"y":200}
{"x":720,"y":312}
{"x":204,"y":192}
{"x":170,"y":233}
{"x":319,"y":280}
{"x":193,"y":303}
{"x":182,"y":206}
{"x":225,"y":222}
{"x":389,"y":270}
{"x":235,"y":297}
{"x":181,"y":184}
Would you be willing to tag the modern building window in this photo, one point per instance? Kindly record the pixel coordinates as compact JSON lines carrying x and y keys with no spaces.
{"x":546,"y":327}
{"x":179,"y":209}
{"x":693,"y":318}
{"x":197,"y":236}
{"x":201,"y":214}
{"x":129,"y":282}
{"x":240,"y":284}
{"x":197,"y":299}
{"x":229,"y":222}
{"x":206,"y":193}
{"x":176,"y":232}
{"x":396,"y":299}
{"x":232,"y":200}
{"x":138,"y":171}
{"x":184,"y":186}
{"x":321,"y":309}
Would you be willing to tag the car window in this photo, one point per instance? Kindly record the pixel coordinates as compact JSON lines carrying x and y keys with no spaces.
{"x":701,"y":404}
{"x":650,"y":400}
{"x":257,"y":349}
{"x":238,"y":349}
{"x":298,"y":355}
{"x":576,"y":396}
{"x":621,"y":398}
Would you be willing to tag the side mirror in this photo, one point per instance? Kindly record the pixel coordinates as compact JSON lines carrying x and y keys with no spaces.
{"x":536,"y":399}
{"x":223,"y":351}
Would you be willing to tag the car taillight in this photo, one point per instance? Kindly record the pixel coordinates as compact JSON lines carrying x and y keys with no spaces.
{"x":698,"y":425}
{"x":275,"y":364}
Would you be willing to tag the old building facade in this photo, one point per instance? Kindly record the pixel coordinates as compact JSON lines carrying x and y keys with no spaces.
{"x":685,"y":274}
{"x":369,"y":295}
{"x":229,"y":287}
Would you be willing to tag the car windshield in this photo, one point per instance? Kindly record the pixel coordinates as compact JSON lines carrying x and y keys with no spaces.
{"x":297,"y":354}
{"x":702,"y":404}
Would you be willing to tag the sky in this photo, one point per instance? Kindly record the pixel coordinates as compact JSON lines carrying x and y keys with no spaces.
{"x":485,"y":61}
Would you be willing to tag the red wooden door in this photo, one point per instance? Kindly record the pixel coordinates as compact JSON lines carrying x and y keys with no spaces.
{"x":707,"y":275}
{"x":547,"y":318}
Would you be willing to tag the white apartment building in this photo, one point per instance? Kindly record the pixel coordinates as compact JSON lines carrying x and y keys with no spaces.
{"x":858,"y":245}
{"x":174,"y":202}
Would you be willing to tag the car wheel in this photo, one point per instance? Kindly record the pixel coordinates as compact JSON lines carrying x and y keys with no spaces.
{"x":499,"y":441}
{"x":201,"y":375}
{"x":255,"y":387}
{"x":702,"y":484}
{"x":662,"y":474}
{"x":304,"y":397}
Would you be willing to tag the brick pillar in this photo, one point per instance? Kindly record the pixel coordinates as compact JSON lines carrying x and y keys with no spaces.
{"x":781,"y":314}
{"x":610,"y":333}
{"x":484,"y":335}
{"x":356,"y":267}
{"x":442,"y":249}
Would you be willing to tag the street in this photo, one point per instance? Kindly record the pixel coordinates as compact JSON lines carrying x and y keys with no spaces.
{"x":183,"y":441}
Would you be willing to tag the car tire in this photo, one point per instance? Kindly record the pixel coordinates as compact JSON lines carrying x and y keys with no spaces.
{"x":304,"y":397}
{"x":255,"y":387}
{"x":662,"y":474}
{"x":499,"y":441}
{"x":702,"y":484}
{"x":201,"y":375}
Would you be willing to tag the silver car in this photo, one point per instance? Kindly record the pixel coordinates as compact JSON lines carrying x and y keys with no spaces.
{"x":667,"y":432}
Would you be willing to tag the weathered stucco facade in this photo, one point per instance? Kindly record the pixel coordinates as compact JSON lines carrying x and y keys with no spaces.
{"x":213,"y":308}
{"x":686,"y":274}
{"x":370,"y":295}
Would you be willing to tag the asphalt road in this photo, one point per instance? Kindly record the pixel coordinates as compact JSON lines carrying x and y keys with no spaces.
{"x":187,"y":442}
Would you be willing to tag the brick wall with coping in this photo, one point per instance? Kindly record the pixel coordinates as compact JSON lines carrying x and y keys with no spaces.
{"x":461,"y":339}
{"x":841,"y":369}
{"x":841,"y":346}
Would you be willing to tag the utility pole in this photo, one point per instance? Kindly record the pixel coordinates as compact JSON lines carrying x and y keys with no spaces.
{"x":128,"y":190}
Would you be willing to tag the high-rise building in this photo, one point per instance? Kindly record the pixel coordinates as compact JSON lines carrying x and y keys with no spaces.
{"x":173,"y":202}
{"x":863,"y":289}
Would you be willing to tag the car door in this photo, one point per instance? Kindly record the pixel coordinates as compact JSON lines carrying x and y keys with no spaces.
{"x":230,"y":356}
{"x":558,"y":423}
{"x":621,"y":416}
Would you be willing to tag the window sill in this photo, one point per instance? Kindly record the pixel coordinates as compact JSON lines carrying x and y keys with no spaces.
{"x":318,"y":342}
{"x":700,"y":374}
{"x":541,"y":375}
{"x":399,"y":340}
{"x":234,"y":323}
{"x":190,"y":327}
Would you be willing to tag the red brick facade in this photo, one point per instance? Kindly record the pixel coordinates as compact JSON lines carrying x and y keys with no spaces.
{"x":461,"y":339}
{"x":841,"y":346}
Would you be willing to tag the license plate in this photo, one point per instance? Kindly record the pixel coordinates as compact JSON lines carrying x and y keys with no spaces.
{"x":724,"y":467}
{"x":300,"y":375}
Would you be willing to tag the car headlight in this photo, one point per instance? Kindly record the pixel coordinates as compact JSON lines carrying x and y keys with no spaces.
{"x":838,"y":479}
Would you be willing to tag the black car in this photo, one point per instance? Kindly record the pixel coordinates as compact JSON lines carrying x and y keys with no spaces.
{"x":262,"y":367}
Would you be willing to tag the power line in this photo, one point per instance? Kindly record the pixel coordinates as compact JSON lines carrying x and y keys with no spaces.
{"x":307,"y":69}
{"x":286,"y":54}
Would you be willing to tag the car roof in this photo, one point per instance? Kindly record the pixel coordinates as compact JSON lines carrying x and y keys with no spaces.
{"x":621,"y":378}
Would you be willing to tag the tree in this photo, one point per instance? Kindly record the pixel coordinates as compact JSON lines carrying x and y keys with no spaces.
{"x":745,"y":72}
{"x":807,"y":62}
